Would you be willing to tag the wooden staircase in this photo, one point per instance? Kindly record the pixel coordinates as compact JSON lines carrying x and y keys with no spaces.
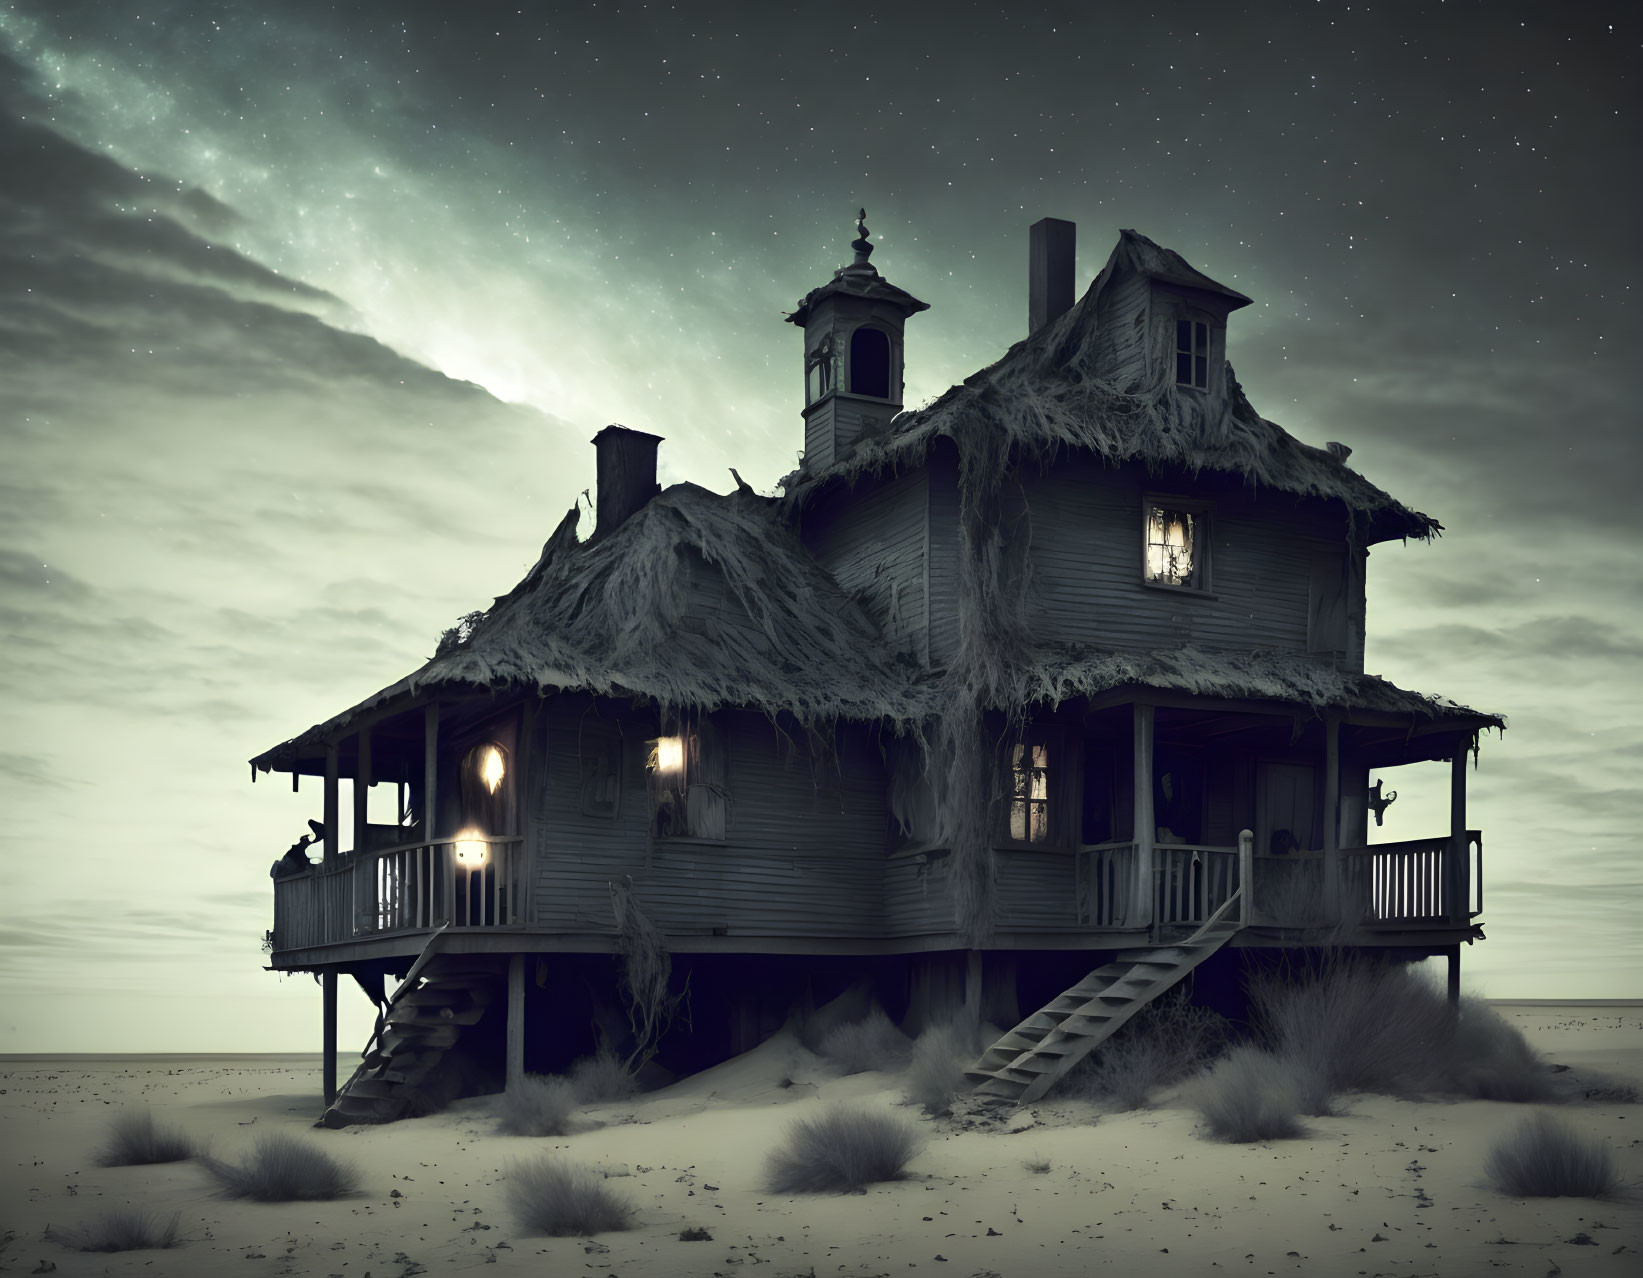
{"x":1022,"y":1065}
{"x":398,"y":1076}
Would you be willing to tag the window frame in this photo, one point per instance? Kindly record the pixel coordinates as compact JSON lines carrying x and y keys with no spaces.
{"x":889,"y":396}
{"x":1055,"y":798}
{"x":1203,"y":513}
{"x":1198,"y":358}
{"x":704,"y":757}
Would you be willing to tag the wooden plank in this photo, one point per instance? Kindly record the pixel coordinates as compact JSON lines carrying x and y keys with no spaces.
{"x":328,"y":1034}
{"x":516,"y":1021}
{"x":1332,"y":818}
{"x":1144,"y":830}
{"x":1459,"y":845}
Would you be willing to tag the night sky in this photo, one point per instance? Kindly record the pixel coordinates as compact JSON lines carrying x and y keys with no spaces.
{"x":307,"y":315}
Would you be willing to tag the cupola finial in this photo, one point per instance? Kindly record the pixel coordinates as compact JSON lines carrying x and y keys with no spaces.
{"x":864,"y":250}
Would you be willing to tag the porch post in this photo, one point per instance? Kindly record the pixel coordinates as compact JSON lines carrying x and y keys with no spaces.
{"x":1456,"y":881}
{"x":331,"y":845}
{"x":1452,"y":952}
{"x":972,"y":988}
{"x":362,"y":787}
{"x":1144,"y":825}
{"x":362,"y":792}
{"x":434,"y":907}
{"x":516,"y":1021}
{"x":328,"y":1014}
{"x":1332,"y":819}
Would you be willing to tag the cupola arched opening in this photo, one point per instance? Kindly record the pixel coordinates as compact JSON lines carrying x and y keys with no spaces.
{"x":870,"y":362}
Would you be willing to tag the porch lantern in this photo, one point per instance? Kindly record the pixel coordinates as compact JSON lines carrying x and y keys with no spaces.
{"x":491,"y":768}
{"x":471,"y":848}
{"x":670,"y":755}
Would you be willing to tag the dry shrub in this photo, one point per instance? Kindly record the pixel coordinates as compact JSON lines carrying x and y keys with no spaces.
{"x":558,"y":1199}
{"x":1546,"y":1158}
{"x":870,"y":1044}
{"x":604,"y":1076}
{"x":122,"y":1229}
{"x":1249,"y":1095}
{"x":940,"y":1056}
{"x":1490,"y":1059}
{"x":537,"y":1105}
{"x":135,"y":1140}
{"x":840,"y":1150}
{"x":1361,"y":1025}
{"x":1167,"y":1041}
{"x":283,"y":1169}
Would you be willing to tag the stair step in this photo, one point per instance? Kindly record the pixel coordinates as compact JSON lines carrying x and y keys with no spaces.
{"x":402,"y":1016}
{"x":373,"y":1088}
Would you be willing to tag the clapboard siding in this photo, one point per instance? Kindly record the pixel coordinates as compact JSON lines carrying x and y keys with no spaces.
{"x":918,"y":895}
{"x":943,"y":557}
{"x":803,"y":853}
{"x":1086,"y":556}
{"x":873,"y":540}
{"x":1120,"y":341}
{"x":1037,"y":891}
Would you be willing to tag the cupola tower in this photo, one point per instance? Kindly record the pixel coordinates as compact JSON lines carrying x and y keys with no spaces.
{"x":853,"y":347}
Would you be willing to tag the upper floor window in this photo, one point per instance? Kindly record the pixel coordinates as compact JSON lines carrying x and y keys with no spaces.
{"x":870,"y":363}
{"x":1030,"y":792}
{"x":600,"y":792}
{"x":687,"y":782}
{"x":1192,"y":354}
{"x":1175,"y":543}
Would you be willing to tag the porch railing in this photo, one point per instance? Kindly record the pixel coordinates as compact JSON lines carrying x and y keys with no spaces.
{"x":1104,"y":878}
{"x":416,"y":886}
{"x":1191,"y":882}
{"x":1414,"y":881}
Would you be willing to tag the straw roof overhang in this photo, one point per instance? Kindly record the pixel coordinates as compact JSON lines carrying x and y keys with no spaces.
{"x":1279,"y":679}
{"x":696,"y":600}
{"x":1050,"y":394}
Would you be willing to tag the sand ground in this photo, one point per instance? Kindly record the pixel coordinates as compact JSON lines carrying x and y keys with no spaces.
{"x":1391,"y":1188}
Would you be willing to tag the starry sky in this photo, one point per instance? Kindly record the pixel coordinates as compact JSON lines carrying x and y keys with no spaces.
{"x":308,"y":312}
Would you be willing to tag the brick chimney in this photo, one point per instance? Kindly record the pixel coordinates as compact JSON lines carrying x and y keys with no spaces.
{"x":626,"y":475}
{"x":1049,"y":271}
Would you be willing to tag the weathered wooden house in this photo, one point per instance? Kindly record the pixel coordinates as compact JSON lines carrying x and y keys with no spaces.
{"x":1032,"y":700}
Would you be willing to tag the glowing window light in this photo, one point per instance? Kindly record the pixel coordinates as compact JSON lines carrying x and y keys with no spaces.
{"x":471,"y":849}
{"x":1171,"y":540}
{"x":491,"y":768}
{"x":670,"y":754}
{"x":1030,"y":802}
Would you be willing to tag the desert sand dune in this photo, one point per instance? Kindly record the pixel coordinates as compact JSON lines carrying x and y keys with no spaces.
{"x":1389,"y":1187}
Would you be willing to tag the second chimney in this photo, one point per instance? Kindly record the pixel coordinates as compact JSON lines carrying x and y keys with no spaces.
{"x":1049,"y":271}
{"x":626,"y":475}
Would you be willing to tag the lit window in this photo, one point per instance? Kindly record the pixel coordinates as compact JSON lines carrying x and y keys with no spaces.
{"x":688,"y":798}
{"x":1174,"y":545}
{"x":1030,"y":793}
{"x":1192,"y":354}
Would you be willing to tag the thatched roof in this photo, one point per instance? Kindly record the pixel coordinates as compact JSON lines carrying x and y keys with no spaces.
{"x":1049,"y":395}
{"x":696,"y":600}
{"x":1280,"y":678}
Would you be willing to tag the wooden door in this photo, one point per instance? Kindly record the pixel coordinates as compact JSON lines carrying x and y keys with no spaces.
{"x":1286,"y":800}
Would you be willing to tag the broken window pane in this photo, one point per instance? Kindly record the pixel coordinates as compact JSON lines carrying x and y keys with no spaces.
{"x":1030,"y":793}
{"x":1172,"y":542}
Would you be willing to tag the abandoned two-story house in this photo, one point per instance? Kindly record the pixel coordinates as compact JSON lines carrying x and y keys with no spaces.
{"x":1028,"y":702}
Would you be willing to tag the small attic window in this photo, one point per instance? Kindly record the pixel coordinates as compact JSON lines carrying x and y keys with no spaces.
{"x":1175,"y":543}
{"x":870,"y":363}
{"x":1192,"y":354}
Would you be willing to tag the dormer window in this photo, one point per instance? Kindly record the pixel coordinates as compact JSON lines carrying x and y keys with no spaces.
{"x":1192,"y":354}
{"x":1175,"y":543}
{"x":870,"y":363}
